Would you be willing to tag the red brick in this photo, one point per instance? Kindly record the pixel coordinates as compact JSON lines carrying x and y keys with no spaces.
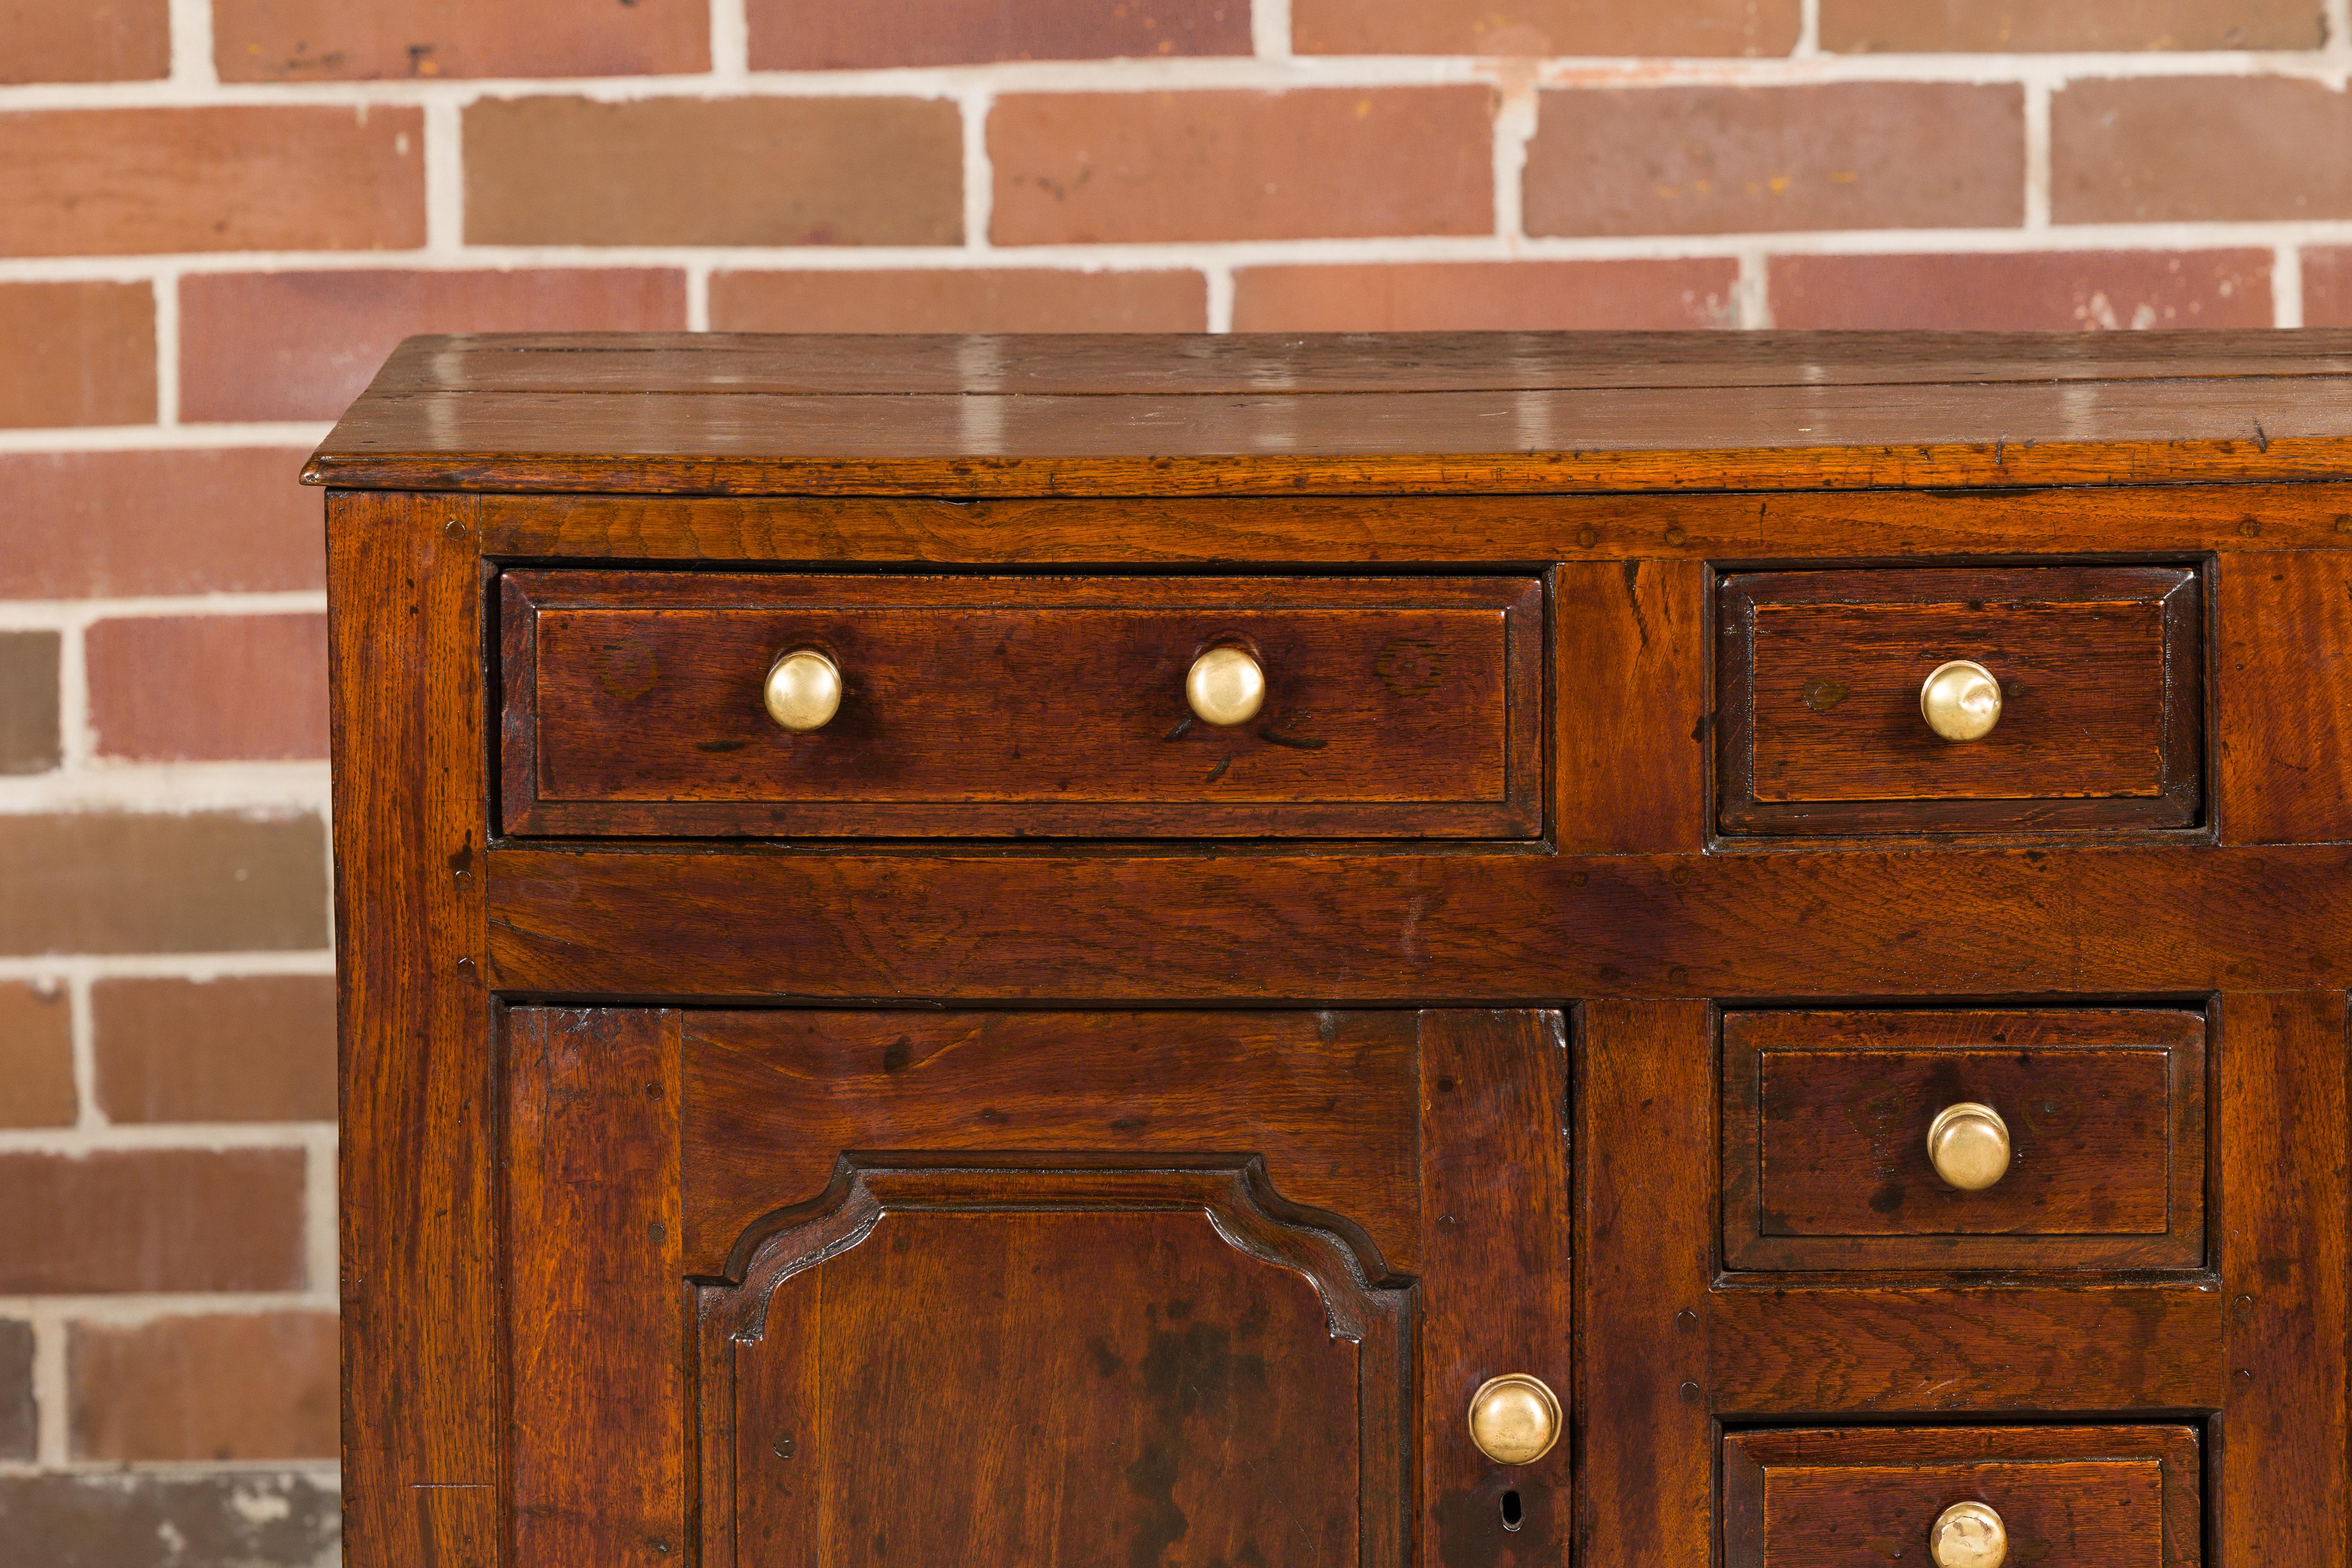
{"x":736,"y":170}
{"x":205,"y":520}
{"x":1725,"y":159}
{"x":1474,"y":295}
{"x":963,"y":300}
{"x":151,"y":1220}
{"x":1081,"y":167}
{"x":36,"y":1075}
{"x":255,"y":1047}
{"x":76,"y":353}
{"x":301,"y":345}
{"x":19,"y":1410}
{"x":28,"y":701}
{"x":337,"y":40}
{"x":148,"y":1520}
{"x":2049,"y":292}
{"x":2327,"y":286}
{"x":208,"y":688}
{"x":219,"y":1387}
{"x":85,"y":40}
{"x":1542,"y":28}
{"x":2004,"y":27}
{"x":108,"y":182}
{"x":135,"y":883}
{"x":824,"y":35}
{"x":2165,"y":149}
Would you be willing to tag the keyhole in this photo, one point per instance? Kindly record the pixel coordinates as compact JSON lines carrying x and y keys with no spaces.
{"x":1511,"y":1515}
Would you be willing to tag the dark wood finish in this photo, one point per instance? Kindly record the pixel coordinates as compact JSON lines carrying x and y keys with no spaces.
{"x":1128,"y":927}
{"x":1645,"y":1203}
{"x":417,"y":1243}
{"x":596,"y":1292}
{"x":882,"y":416}
{"x":1810,"y":1352}
{"x":1825,"y":1119}
{"x":1817,"y":677}
{"x":2284,"y":713}
{"x":2284,"y":1221}
{"x":935,"y":1119}
{"x":773,"y":1098}
{"x":1406,"y":707}
{"x":2102,"y":1497}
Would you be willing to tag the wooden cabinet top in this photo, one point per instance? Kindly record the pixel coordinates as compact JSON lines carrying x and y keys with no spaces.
{"x":706,"y":413}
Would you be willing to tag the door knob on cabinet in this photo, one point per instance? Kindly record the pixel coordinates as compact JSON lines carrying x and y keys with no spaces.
{"x":1969,"y":1145}
{"x":1514,"y":1418}
{"x":1968,"y":1535}
{"x":804,"y":690}
{"x":1226,"y":686}
{"x":1960,"y":701}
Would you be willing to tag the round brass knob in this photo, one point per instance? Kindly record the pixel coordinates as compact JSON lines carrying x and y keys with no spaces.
{"x":804,"y":690}
{"x":1969,"y":1145}
{"x":1960,"y":701}
{"x":1226,"y":686}
{"x":1514,"y":1418}
{"x":1968,"y":1535}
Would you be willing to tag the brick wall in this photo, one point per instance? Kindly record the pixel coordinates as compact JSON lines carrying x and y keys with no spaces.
{"x":216,"y":215}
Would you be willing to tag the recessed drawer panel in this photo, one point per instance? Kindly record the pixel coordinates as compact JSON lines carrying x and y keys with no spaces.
{"x":2088,"y":1497}
{"x":1964,"y":1140}
{"x":1960,"y":700}
{"x":1022,"y":706}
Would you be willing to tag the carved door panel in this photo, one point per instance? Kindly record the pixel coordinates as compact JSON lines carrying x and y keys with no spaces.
{"x":809,"y":1289}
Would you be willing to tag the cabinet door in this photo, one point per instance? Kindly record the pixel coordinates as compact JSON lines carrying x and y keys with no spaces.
{"x":806,"y":1289}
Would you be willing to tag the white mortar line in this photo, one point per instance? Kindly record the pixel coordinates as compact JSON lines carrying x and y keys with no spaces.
{"x":320,"y":1473}
{"x":32,"y":613}
{"x":129,"y":1308}
{"x":2037,"y":154}
{"x":50,"y":1444}
{"x":2286,"y":287}
{"x":1220,"y":283}
{"x":1270,"y":29}
{"x":1809,"y":30}
{"x":1515,"y":126}
{"x":198,"y":966}
{"x":1752,"y":292}
{"x":979,"y":170}
{"x":320,"y":1213}
{"x":76,"y":744}
{"x":697,"y":297}
{"x":160,"y":438}
{"x":172,"y":789}
{"x":730,"y":42}
{"x":82,"y":1026}
{"x":445,"y":177}
{"x":167,"y":347}
{"x":131,"y":1137}
{"x":191,"y":46}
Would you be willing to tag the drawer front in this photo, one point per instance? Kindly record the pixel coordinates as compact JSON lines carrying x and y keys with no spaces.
{"x":1822,"y":728}
{"x":2088,"y":1496}
{"x":2086,"y":1129}
{"x":632,"y":703}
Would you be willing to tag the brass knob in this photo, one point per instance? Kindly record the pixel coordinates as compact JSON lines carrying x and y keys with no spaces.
{"x":1968,"y":1535}
{"x":1514,"y":1418}
{"x":1226,"y":686}
{"x":1960,"y":701}
{"x":804,"y":690}
{"x":1969,"y":1145}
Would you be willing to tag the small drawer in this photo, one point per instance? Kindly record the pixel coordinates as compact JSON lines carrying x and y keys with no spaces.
{"x":1964,"y":1140}
{"x":1040,"y":707}
{"x":1961,"y":1497}
{"x":2090,"y":678}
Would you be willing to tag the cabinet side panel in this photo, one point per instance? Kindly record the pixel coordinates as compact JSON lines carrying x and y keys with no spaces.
{"x":2284,"y":719}
{"x":2282,"y":1497}
{"x":1645,"y":1206}
{"x":419,"y":1232}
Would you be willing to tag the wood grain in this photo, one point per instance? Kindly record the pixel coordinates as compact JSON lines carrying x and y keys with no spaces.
{"x":1825,"y":1118}
{"x":1030,"y":707}
{"x":774,"y":1099}
{"x":2284,"y":760}
{"x":421,"y":1355}
{"x":1132,"y":927}
{"x":1496,"y":1295}
{"x":2285,"y":1217}
{"x":596,"y":1292}
{"x":2116,"y":1497}
{"x":1805,"y":1352}
{"x":1818,"y":713}
{"x":1630,"y":668}
{"x":1645,"y":1203}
